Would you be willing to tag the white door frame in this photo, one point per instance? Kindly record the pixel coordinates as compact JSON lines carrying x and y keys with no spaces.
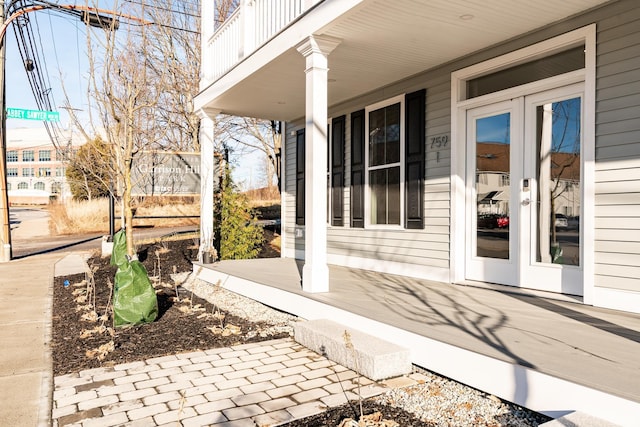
{"x":459,"y":105}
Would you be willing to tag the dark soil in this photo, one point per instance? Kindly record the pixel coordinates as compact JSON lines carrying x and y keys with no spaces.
{"x":334,"y":416}
{"x":178,"y":327}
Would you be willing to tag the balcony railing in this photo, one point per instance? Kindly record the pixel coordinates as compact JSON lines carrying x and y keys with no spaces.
{"x":252,"y":24}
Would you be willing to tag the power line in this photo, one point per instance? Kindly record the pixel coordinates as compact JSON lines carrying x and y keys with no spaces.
{"x":35,"y":63}
{"x":154,"y":6}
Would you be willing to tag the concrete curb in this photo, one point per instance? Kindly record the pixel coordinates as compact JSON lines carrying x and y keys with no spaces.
{"x":46,"y":391}
{"x":74,"y":263}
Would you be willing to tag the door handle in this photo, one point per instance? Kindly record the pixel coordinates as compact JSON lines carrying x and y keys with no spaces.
{"x":526,"y":202}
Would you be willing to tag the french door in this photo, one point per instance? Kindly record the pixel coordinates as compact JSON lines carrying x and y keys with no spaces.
{"x":523,"y":191}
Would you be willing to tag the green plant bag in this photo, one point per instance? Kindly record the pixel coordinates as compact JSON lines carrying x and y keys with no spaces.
{"x":134,"y":299}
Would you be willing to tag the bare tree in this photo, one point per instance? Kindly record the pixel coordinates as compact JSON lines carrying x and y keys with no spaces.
{"x":173,"y":65}
{"x":122,"y":105}
{"x":262,"y":135}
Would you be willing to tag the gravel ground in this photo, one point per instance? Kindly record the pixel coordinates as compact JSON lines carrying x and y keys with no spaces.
{"x":437,"y":401}
{"x":444,"y":402}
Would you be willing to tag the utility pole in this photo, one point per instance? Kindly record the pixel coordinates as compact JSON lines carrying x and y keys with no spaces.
{"x":5,"y":233}
{"x":91,"y":16}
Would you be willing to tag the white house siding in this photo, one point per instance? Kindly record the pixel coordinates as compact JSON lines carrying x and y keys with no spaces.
{"x":617,"y":187}
{"x":289,"y":193}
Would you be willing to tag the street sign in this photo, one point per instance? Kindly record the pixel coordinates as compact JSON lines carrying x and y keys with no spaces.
{"x":44,"y":116}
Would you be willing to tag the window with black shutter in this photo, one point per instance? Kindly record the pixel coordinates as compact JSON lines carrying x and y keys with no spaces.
{"x":357,"y":168}
{"x":414,"y":159}
{"x":337,"y":170}
{"x":300,"y":159}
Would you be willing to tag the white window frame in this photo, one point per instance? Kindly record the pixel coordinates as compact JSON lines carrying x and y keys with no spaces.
{"x":42,"y":157}
{"x":32,"y":155}
{"x":367,"y":194}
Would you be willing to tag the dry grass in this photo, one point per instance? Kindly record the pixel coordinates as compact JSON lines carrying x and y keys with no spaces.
{"x":79,"y":217}
{"x":73,"y":217}
{"x":265,"y":196}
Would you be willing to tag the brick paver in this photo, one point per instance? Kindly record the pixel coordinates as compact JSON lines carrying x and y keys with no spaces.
{"x":254,"y":384}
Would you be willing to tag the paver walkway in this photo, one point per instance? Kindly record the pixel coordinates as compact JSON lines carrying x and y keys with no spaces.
{"x":261,"y":384}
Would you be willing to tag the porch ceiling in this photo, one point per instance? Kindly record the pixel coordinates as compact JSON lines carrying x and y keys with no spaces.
{"x":382,"y":42}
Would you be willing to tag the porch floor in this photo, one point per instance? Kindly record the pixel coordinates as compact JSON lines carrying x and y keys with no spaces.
{"x":549,"y":355}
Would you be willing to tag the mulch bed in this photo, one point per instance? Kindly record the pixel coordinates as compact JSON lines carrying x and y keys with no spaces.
{"x":335,"y":416}
{"x":82,"y":322}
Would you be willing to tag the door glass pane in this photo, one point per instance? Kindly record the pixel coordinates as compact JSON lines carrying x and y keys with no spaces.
{"x":493,"y":144}
{"x":558,"y":177}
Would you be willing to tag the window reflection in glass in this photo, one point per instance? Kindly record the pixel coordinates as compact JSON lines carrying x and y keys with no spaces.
{"x":493,"y":143}
{"x":384,"y":165}
{"x":558,"y":176}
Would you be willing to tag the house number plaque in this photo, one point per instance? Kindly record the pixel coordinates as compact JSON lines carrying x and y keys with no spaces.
{"x":439,"y":141}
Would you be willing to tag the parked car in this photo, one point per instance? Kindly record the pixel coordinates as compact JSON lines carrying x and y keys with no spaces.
{"x":561,"y":221}
{"x":493,"y":221}
{"x":503,"y":222}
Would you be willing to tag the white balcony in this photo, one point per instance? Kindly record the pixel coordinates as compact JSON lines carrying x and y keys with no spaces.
{"x":252,"y":25}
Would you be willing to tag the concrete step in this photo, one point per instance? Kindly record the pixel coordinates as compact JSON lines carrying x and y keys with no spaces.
{"x":578,"y":419}
{"x":365,"y":354}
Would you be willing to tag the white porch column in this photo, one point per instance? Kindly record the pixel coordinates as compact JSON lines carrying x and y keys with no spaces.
{"x":207,"y":183}
{"x":315,"y":273}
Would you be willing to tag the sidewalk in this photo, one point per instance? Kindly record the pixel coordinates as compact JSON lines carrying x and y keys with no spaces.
{"x":25,"y":333}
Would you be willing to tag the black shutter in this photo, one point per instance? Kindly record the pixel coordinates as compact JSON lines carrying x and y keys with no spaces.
{"x":414,"y":159}
{"x":357,"y":169}
{"x":300,"y":158}
{"x":337,"y":170}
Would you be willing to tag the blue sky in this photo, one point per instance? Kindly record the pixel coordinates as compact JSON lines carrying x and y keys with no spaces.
{"x":61,"y":43}
{"x":60,"y":40}
{"x":565,"y":128}
{"x":493,"y":129}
